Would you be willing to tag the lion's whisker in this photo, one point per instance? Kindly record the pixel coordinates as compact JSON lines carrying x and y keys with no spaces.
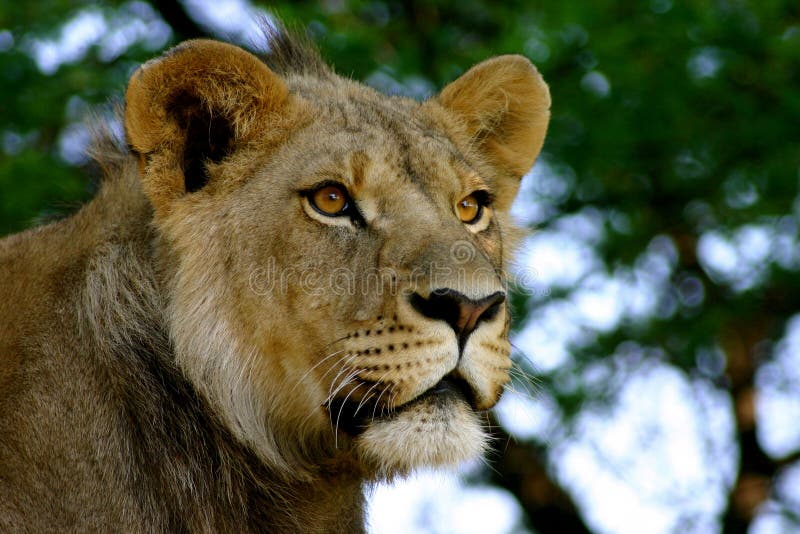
{"x":529,"y":384}
{"x":341,"y":407}
{"x":346,"y":371}
{"x":369,"y":391}
{"x":347,"y":358}
{"x":366,"y":397}
{"x":377,"y":403}
{"x":335,"y":341}
{"x":323,"y":360}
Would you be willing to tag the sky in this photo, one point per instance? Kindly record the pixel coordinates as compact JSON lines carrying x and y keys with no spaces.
{"x":662,"y":455}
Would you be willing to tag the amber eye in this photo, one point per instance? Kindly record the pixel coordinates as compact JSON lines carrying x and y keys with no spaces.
{"x":469,"y":209}
{"x":329,"y":200}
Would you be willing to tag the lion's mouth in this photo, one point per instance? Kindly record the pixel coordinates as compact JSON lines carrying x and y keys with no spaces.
{"x":450,"y":385}
{"x":354,"y":417}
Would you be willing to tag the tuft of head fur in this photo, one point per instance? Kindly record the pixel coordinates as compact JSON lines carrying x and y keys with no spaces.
{"x":292,"y":52}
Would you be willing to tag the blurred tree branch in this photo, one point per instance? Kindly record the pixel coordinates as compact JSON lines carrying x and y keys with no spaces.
{"x":757,"y":470}
{"x":520,"y":469}
{"x":175,"y":14}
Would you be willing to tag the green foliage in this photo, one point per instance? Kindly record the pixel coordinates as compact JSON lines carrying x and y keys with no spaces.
{"x":38,"y":108}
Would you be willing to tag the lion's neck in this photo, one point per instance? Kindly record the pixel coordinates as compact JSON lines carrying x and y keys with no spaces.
{"x":199,"y":477}
{"x":220,"y":485}
{"x":191,"y":472}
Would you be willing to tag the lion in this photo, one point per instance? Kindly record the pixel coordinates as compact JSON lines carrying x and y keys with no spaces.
{"x":288,"y":286}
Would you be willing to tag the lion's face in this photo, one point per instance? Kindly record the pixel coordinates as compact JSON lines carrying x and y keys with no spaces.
{"x":336,"y":267}
{"x":391,"y":305}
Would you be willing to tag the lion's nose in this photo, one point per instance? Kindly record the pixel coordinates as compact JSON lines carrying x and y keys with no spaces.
{"x":456,"y":309}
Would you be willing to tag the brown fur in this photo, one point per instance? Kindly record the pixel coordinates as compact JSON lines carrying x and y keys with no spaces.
{"x":180,"y":354}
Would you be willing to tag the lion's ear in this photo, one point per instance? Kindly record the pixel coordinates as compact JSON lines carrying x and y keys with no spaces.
{"x":191,"y":107}
{"x":504,"y":105}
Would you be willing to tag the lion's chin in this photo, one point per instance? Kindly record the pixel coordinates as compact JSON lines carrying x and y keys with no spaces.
{"x":436,"y":430}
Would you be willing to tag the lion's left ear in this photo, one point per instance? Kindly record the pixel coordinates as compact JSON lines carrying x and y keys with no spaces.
{"x":503,"y":106}
{"x":191,"y":108}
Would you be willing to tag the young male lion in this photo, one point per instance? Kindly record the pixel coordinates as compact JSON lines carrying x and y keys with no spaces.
{"x":288,"y":286}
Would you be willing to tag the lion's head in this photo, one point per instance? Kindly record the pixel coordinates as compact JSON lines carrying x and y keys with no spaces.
{"x":333,"y":256}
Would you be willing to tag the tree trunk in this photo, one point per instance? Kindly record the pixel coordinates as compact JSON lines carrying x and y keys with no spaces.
{"x":520,"y":469}
{"x":757,"y":470}
{"x":179,"y":20}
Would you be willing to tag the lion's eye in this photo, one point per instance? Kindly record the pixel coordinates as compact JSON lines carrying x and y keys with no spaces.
{"x":470,"y":209}
{"x":330,"y":200}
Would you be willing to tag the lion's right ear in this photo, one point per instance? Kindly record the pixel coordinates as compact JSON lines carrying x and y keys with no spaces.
{"x":193,"y":106}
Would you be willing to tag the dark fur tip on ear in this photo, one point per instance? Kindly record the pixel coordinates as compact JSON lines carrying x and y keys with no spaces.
{"x":190,"y":107}
{"x":208,"y":140}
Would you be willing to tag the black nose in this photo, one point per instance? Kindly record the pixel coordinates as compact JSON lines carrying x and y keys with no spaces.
{"x":456,"y":309}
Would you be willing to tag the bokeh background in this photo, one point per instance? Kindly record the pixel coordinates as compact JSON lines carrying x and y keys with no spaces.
{"x":657,"y":303}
